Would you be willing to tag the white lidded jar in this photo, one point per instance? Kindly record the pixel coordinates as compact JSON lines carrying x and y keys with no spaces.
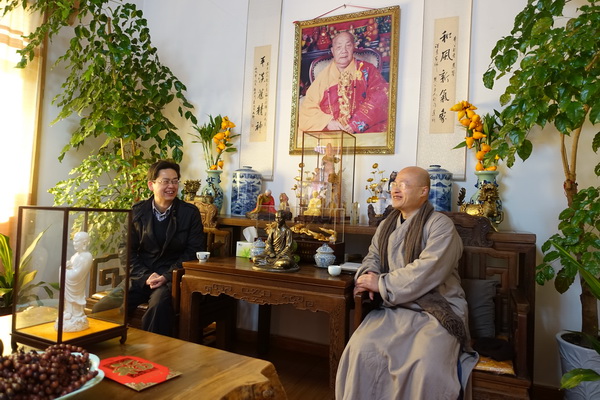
{"x":246,"y":185}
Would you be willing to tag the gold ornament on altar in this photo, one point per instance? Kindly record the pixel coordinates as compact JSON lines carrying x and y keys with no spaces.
{"x":487,"y":207}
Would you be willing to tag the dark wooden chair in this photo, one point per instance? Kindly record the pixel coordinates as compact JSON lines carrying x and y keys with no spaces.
{"x":218,"y":314}
{"x":483,"y":260}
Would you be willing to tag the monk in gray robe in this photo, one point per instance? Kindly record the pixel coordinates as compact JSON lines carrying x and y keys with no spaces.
{"x":410,"y":347}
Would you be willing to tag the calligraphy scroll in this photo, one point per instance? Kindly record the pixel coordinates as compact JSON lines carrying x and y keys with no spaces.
{"x":257,"y":146}
{"x":260,"y":94}
{"x":444,"y":81}
{"x":443,"y":89}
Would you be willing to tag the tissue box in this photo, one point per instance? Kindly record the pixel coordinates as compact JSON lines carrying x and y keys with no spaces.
{"x":242,"y":249}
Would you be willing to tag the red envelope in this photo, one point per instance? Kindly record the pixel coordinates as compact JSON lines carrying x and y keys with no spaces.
{"x":135,"y":372}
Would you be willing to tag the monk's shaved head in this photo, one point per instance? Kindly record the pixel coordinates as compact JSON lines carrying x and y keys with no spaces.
{"x":340,"y":35}
{"x":417,"y":176}
{"x":410,"y":190}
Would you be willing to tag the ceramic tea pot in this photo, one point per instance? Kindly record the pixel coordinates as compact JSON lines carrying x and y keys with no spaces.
{"x":258,"y":248}
{"x":324,"y":256}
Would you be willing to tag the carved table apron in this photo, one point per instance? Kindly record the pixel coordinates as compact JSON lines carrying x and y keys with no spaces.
{"x":310,"y":288}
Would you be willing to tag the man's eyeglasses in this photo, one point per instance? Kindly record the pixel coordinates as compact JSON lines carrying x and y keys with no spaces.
{"x":165,"y":182}
{"x":401,"y":185}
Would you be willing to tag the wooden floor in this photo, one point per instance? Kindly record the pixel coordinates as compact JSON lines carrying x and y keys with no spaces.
{"x":303,"y":376}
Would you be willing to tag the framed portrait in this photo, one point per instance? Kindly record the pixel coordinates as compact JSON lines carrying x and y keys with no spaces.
{"x":346,"y":77}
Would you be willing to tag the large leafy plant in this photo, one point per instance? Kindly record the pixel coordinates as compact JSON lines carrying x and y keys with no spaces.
{"x":120,"y":90}
{"x":554,"y":66}
{"x":27,"y":286}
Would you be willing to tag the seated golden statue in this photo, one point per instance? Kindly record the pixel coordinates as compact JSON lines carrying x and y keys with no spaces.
{"x":314,"y":205}
{"x":278,"y":254}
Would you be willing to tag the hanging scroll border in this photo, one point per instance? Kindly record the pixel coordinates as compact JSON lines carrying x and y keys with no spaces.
{"x":437,"y":148}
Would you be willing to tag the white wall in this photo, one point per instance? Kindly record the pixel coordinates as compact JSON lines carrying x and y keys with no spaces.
{"x":203,"y":42}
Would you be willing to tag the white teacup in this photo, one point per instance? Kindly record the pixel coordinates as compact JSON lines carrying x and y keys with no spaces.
{"x":334,"y":270}
{"x":203,"y":256}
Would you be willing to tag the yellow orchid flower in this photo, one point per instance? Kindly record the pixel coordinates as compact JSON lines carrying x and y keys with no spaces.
{"x":478,"y":135}
{"x":215,"y":133}
{"x":457,"y":107}
{"x":476,"y":125}
{"x":469,"y":141}
{"x":476,"y":138}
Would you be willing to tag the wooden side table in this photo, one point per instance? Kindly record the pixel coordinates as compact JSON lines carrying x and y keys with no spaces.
{"x":311,"y":288}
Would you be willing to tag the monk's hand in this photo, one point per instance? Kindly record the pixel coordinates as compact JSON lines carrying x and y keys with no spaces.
{"x":368,"y":282}
{"x":347,"y":128}
{"x":334,"y":125}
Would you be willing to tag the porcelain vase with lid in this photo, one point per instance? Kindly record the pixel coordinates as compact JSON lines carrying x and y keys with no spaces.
{"x":246,"y":185}
{"x":324,"y":256}
{"x":440,"y":193}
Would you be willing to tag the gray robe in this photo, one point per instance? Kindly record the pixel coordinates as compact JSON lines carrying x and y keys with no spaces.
{"x":399,"y":351}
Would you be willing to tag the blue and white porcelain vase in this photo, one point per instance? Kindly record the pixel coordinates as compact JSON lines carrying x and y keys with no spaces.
{"x":324,"y":257}
{"x":246,"y":185}
{"x":213,"y":187}
{"x":440,"y":194}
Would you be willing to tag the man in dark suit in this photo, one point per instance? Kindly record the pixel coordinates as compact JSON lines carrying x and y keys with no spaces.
{"x":165,"y":232}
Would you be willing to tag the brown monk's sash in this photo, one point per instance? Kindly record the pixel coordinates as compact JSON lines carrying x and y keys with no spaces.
{"x":432,"y":302}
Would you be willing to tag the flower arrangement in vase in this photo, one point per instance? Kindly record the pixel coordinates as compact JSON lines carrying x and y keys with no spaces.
{"x":218,"y":132}
{"x":482,"y":136}
{"x":482,"y":132}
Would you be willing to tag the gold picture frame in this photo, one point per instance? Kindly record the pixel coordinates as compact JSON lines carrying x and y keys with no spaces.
{"x":376,"y":38}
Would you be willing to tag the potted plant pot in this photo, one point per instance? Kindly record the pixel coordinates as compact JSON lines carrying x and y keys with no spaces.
{"x":573,"y":356}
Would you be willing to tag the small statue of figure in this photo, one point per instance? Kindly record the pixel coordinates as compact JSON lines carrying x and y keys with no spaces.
{"x":278,"y":254}
{"x":332,"y":238}
{"x":303,"y":230}
{"x":190,"y":188}
{"x":265,"y":206}
{"x":314,"y":205}
{"x":284,"y":204}
{"x":76,"y":273}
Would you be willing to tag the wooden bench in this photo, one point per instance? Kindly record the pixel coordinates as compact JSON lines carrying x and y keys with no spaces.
{"x":509,"y":261}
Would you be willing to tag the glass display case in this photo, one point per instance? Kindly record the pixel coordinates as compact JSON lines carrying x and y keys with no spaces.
{"x":69,"y":261}
{"x":326,"y":175}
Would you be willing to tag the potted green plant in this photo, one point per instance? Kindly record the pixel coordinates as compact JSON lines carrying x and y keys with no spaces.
{"x":26,"y":276}
{"x":122,"y":93}
{"x":554,"y":69}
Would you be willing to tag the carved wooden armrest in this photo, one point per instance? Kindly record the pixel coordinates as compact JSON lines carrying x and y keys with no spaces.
{"x":520,"y":311}
{"x":110,"y":276}
{"x":362,"y":305}
{"x":176,"y":288}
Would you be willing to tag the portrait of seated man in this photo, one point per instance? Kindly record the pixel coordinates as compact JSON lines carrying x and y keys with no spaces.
{"x":349,"y":94}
